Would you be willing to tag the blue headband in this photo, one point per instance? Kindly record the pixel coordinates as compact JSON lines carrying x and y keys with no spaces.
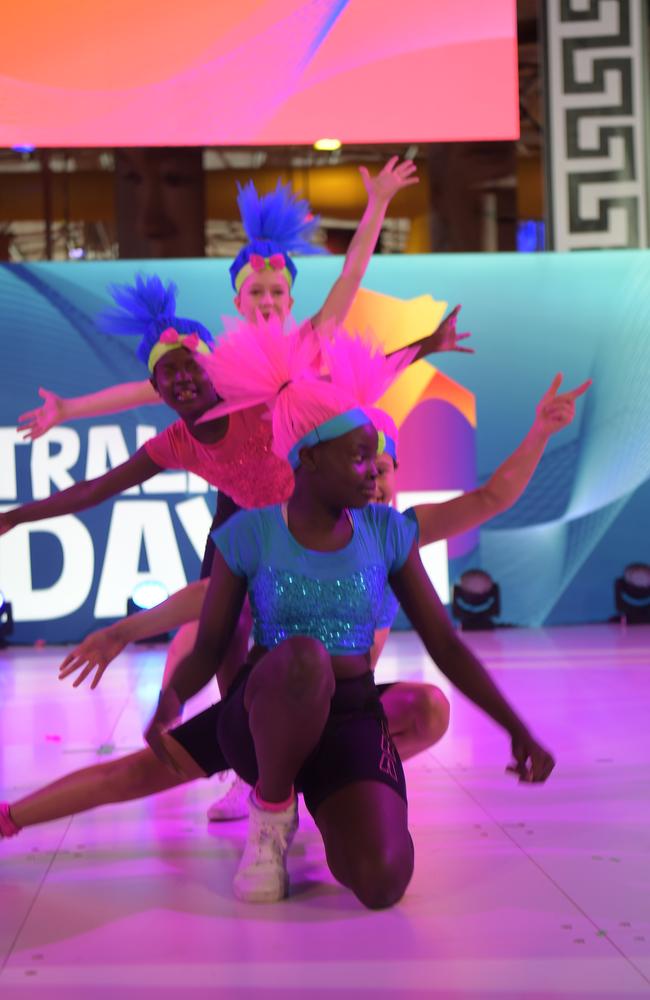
{"x":333,"y":428}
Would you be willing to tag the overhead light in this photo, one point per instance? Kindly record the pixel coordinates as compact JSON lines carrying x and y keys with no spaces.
{"x":632,"y":594}
{"x":327,"y":145}
{"x":24,"y":148}
{"x":476,"y":601}
{"x":6,"y":620}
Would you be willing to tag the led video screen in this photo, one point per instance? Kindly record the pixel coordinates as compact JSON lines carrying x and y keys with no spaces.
{"x":258,"y":72}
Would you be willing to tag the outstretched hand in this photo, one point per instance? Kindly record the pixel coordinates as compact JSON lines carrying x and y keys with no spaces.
{"x":556,"y":412}
{"x":392,"y":178}
{"x":34,"y":423}
{"x":95,"y":653}
{"x":531,"y":761}
{"x":447,"y":338}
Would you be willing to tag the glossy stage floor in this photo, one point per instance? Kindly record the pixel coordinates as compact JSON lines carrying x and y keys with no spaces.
{"x":522,"y":892}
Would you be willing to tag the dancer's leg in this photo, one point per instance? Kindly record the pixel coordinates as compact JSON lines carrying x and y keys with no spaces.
{"x":132,"y":777}
{"x":267,"y":729}
{"x":288,"y":699}
{"x":181,"y":645}
{"x":367,"y":843}
{"x":271,"y":725}
{"x":418,"y":716}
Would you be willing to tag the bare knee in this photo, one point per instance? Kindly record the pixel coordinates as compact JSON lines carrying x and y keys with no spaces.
{"x":381,"y":877}
{"x":308,"y":670}
{"x":431,"y":714}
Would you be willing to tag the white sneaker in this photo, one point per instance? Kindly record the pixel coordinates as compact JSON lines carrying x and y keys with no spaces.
{"x":262,"y":874}
{"x":232,"y":805}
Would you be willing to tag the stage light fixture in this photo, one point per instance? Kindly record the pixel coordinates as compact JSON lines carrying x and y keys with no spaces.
{"x":476,"y":601}
{"x":6,"y":620}
{"x":146,"y":595}
{"x":632,"y":594}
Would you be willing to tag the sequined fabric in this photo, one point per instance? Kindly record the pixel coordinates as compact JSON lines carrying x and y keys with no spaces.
{"x":341,"y":613}
{"x":242,"y":465}
{"x":334,"y":596}
{"x":389,"y":608}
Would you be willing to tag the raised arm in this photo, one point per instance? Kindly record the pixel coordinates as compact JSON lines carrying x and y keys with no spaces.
{"x":86,"y":494}
{"x":381,"y":189}
{"x":57,"y":410}
{"x":422,"y":605}
{"x":506,"y":485}
{"x":220,"y":613}
{"x":101,"y":647}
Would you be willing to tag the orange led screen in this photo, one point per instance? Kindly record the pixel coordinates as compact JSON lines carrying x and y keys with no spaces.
{"x":256,"y":72}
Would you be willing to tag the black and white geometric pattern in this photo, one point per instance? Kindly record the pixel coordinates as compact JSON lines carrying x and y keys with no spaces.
{"x":597,"y":144}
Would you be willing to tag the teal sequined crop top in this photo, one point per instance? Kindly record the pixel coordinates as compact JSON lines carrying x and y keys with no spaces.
{"x":390,"y":604}
{"x":335,"y":597}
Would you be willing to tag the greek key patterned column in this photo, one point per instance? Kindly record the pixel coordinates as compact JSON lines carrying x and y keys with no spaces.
{"x":596,"y":68}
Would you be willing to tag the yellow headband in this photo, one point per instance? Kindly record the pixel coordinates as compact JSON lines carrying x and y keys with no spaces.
{"x":248,"y":269}
{"x":170,"y":340}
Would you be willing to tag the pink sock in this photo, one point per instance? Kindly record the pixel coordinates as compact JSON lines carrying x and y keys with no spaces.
{"x":7,"y":826}
{"x":275,"y":807}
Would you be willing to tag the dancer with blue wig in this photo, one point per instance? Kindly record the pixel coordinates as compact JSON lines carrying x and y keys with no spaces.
{"x":277,"y":225}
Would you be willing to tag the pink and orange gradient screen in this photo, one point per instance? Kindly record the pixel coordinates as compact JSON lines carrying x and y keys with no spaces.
{"x":256,"y":72}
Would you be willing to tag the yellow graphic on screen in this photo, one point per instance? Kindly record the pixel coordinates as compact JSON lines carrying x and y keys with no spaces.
{"x":399,"y":323}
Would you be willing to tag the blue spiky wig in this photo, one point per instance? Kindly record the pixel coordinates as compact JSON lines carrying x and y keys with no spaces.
{"x":147,"y":309}
{"x":276,"y":225}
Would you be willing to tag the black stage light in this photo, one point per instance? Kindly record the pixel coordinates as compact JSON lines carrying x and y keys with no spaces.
{"x":476,"y":600}
{"x":6,"y":620}
{"x":632,"y":594}
{"x":144,"y":596}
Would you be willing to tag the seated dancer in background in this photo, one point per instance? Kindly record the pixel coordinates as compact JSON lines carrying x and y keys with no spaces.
{"x":418,"y":713}
{"x":303,"y":714}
